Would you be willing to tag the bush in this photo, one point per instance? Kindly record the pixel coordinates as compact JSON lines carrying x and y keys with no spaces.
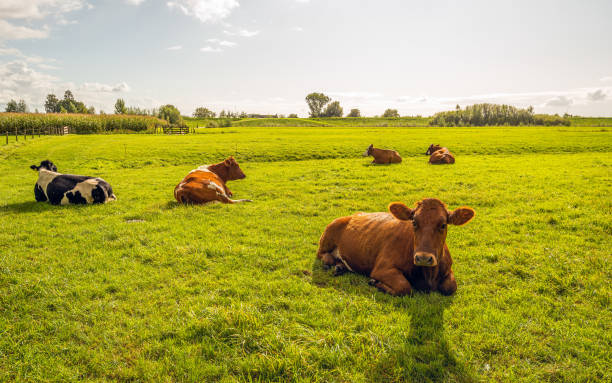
{"x":494,"y":115}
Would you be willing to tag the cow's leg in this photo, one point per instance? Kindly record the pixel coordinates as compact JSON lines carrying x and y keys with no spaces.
{"x":227,"y":191}
{"x":225,"y":199}
{"x":390,"y":280}
{"x":448,"y":285}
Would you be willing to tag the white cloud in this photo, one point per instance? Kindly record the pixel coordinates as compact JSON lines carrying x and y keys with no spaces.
{"x":19,"y":81}
{"x":210,"y":49}
{"x":223,"y":43}
{"x":175,"y":48}
{"x":205,"y":10}
{"x":9,"y":31}
{"x":134,"y":2}
{"x":355,"y":95}
{"x":606,"y":79}
{"x":559,"y":101}
{"x":37,"y":9}
{"x":598,"y":95}
{"x":297,"y":29}
{"x":242,"y":33}
{"x":105,"y":88}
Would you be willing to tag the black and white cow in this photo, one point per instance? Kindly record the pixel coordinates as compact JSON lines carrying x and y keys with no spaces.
{"x":65,"y":189}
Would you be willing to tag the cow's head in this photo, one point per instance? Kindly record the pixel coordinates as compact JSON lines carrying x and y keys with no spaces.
{"x":368,"y":151}
{"x":46,"y":165}
{"x":430,"y":219}
{"x":233,"y":169}
{"x":432,"y":148}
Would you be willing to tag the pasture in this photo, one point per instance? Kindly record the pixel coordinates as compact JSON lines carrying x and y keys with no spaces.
{"x":143,"y":289}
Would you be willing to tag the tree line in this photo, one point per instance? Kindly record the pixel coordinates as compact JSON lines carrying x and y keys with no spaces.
{"x":494,"y":115}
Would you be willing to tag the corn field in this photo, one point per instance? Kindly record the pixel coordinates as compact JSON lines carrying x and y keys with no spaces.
{"x":78,"y":123}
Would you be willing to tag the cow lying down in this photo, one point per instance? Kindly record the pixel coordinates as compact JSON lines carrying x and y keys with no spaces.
{"x":207,"y":184}
{"x":382,"y":156}
{"x":401,"y":250}
{"x":65,"y":189}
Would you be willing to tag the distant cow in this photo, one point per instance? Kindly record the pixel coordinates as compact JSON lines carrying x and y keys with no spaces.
{"x":442,"y":157}
{"x":432,"y":148}
{"x":208,"y":183}
{"x":400,"y":251}
{"x":65,"y":189}
{"x":382,"y":156}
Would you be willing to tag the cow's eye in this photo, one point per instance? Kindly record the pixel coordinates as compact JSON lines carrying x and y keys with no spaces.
{"x":414,"y":224}
{"x":443,"y":226}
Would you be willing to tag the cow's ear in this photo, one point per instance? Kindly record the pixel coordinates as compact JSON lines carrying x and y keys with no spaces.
{"x":401,"y":211}
{"x":227,"y":162}
{"x":461,"y":216}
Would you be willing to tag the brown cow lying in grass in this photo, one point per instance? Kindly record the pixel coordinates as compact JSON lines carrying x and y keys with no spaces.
{"x":441,"y":157}
{"x":401,"y":250}
{"x":383,"y":156}
{"x":208,"y":183}
{"x":432,"y":148}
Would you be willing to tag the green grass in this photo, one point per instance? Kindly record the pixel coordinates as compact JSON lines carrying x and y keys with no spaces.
{"x":145,"y":290}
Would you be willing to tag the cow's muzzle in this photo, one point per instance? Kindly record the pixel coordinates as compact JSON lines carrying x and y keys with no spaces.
{"x":425,"y":259}
{"x":365,"y":154}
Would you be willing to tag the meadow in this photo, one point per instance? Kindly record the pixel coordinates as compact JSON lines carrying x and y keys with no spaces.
{"x":144,"y":289}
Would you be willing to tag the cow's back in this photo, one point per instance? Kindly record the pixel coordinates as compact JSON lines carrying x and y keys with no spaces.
{"x":199,"y":186}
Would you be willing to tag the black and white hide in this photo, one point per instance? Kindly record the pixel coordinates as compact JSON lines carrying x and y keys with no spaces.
{"x":65,"y":189}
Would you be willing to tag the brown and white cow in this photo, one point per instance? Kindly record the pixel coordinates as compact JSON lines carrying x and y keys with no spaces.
{"x":442,"y":157}
{"x":402,"y":250}
{"x":382,"y":156}
{"x":208,"y":183}
{"x":432,"y":148}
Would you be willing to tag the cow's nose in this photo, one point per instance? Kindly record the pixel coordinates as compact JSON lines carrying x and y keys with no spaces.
{"x":424,"y":259}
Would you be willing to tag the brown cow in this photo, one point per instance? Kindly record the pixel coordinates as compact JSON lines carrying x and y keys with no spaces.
{"x":208,"y":183}
{"x":441,"y":157}
{"x":401,"y":250}
{"x":432,"y":148}
{"x":383,"y":156}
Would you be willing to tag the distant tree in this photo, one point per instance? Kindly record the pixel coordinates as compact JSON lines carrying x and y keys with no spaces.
{"x":101,"y":112}
{"x":222,"y":114}
{"x":354,"y":113}
{"x":333,"y":110}
{"x":80,"y":107}
{"x":11,"y":107}
{"x":36,"y":110}
{"x":22,"y":107}
{"x":68,"y":96}
{"x":120,"y":106}
{"x":170,"y":113}
{"x":63,"y":110}
{"x":71,"y":108}
{"x":91,"y":110}
{"x":242,"y":114}
{"x":293,"y":115}
{"x":52,"y":104}
{"x":202,"y":112}
{"x":391,"y":113}
{"x":316,"y":102}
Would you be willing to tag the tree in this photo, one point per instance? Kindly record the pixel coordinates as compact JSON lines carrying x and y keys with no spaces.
{"x":202,"y":112}
{"x":170,"y":114}
{"x":63,"y":110}
{"x":120,"y":106}
{"x":71,"y":108}
{"x":91,"y":110}
{"x":316,"y":102}
{"x":22,"y":107}
{"x":68,"y":96}
{"x":293,"y":115}
{"x":11,"y":107}
{"x":333,"y":110}
{"x":52,"y":104}
{"x":354,"y":113}
{"x":391,"y":113}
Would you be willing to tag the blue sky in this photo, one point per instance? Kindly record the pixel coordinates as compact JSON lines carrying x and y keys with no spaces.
{"x":264,"y":56}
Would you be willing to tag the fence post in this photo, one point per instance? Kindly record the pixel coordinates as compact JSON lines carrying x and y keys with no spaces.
{"x":32,"y":132}
{"x":25,"y":134}
{"x":16,"y":135}
{"x":7,"y":137}
{"x":39,"y":132}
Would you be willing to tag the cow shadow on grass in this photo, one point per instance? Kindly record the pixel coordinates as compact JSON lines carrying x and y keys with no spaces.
{"x":27,"y":207}
{"x":424,"y":355}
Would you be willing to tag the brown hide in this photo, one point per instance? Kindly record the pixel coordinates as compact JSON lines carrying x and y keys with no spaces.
{"x":383,"y":156}
{"x":400,"y":250}
{"x":208,"y":183}
{"x":432,"y":148}
{"x":441,"y":157}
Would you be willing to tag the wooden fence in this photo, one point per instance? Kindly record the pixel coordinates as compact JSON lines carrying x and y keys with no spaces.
{"x":35,"y":132}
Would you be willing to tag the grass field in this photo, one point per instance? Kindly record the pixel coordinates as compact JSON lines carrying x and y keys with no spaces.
{"x":143,"y":289}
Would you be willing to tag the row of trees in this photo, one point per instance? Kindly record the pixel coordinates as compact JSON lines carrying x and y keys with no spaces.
{"x":494,"y":114}
{"x":317,"y":104}
{"x":66,"y":105}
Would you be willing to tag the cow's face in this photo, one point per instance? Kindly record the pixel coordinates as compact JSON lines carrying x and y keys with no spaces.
{"x":368,"y":151}
{"x":432,"y":148}
{"x":234,"y":171}
{"x":46,"y":165}
{"x":430,"y":219}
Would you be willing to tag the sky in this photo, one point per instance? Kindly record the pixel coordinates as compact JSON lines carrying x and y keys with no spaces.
{"x":265,"y":56}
